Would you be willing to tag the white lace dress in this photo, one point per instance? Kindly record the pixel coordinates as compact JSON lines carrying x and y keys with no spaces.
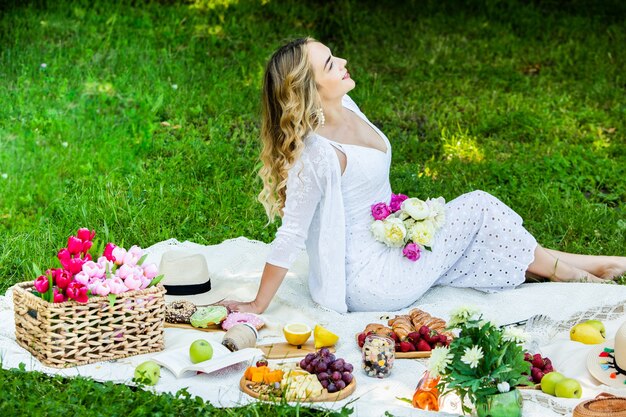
{"x":482,"y":245}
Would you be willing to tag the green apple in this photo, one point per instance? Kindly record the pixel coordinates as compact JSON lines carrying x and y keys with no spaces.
{"x":200,"y":351}
{"x":549,"y":380}
{"x":598,"y":325}
{"x":147,"y":373}
{"x":568,"y":388}
{"x":586,"y":333}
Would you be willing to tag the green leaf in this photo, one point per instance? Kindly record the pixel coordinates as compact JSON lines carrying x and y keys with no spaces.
{"x":143,"y":258}
{"x":406,"y":400}
{"x":155,"y":281}
{"x":112,"y":298}
{"x":36,"y":270}
{"x":50,"y":292}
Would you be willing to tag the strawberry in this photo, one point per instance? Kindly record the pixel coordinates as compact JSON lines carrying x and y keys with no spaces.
{"x":361,"y":339}
{"x":414,"y":337}
{"x":423,"y":346}
{"x":406,"y":347}
{"x":260,"y":363}
{"x":394,"y":336}
{"x":424,"y":330}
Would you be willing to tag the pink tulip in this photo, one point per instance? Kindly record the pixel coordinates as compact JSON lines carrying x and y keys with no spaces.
{"x":82,"y":277}
{"x":63,"y":278}
{"x":42,"y":284}
{"x":93,"y":269}
{"x":86,"y":246}
{"x":150,"y":271}
{"x":108,"y":252}
{"x":136,"y":250}
{"x":118,"y":255}
{"x":145,"y":281}
{"x":101,"y":288}
{"x":77,"y":291}
{"x":85,"y":234}
{"x":132,"y":282}
{"x":117,"y":285}
{"x":58,"y":296}
{"x":131,"y":259}
{"x":75,"y":265}
{"x":124,"y":271}
{"x":64,"y":256}
{"x":74,"y":245}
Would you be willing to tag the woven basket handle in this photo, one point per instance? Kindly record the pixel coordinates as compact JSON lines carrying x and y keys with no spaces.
{"x":604,"y":395}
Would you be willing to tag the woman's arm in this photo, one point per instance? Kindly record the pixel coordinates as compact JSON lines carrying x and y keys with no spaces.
{"x":270,"y":282}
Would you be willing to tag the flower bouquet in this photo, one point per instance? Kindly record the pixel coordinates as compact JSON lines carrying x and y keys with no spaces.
{"x":89,"y":311}
{"x":408,"y":223}
{"x":482,"y":362}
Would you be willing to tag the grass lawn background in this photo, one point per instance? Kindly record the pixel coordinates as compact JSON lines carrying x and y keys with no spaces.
{"x":143,"y":124}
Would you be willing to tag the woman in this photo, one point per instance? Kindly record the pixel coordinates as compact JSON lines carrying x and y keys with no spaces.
{"x":325,"y":164}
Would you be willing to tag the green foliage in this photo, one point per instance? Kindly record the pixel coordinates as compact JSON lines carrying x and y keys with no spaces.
{"x":502,"y":361}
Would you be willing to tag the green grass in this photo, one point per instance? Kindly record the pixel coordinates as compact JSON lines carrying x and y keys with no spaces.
{"x":523,"y":99}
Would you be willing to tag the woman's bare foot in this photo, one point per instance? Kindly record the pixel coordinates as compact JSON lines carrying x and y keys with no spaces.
{"x":564,"y":272}
{"x":614,"y":267}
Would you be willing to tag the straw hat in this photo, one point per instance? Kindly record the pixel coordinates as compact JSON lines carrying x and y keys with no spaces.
{"x":186,"y":277}
{"x":607,"y":361}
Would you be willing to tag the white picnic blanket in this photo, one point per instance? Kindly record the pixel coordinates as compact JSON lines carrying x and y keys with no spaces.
{"x":240,"y":261}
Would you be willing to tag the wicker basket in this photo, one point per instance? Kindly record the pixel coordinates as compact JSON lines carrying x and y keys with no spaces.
{"x":68,"y":334}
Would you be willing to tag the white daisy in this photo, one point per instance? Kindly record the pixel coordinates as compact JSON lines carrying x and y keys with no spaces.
{"x":514,"y":334}
{"x":461,"y":314}
{"x":471,"y":356}
{"x":440,"y":358}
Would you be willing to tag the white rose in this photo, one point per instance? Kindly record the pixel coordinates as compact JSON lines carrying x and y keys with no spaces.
{"x":416,"y":208}
{"x":378,"y":230}
{"x":422,"y":233}
{"x":437,"y":211}
{"x":395,"y":232}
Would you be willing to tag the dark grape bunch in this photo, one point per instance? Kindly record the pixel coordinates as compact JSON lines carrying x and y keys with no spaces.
{"x":539,"y":366}
{"x":333,"y":373}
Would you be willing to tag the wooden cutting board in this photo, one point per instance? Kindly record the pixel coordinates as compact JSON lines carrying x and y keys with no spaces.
{"x":404,"y":355}
{"x":285,"y":350}
{"x":248,"y":387}
{"x":211,"y":328}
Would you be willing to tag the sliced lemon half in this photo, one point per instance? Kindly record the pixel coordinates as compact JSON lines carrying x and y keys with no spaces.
{"x":324,"y":337}
{"x":297,"y":333}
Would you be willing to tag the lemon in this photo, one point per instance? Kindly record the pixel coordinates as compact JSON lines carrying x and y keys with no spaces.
{"x":297,"y":333}
{"x":324,"y":337}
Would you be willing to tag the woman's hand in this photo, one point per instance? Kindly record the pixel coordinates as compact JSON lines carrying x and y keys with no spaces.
{"x":242,"y":307}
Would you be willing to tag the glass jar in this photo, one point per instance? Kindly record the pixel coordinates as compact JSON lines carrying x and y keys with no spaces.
{"x":426,"y":395}
{"x":379,"y":353}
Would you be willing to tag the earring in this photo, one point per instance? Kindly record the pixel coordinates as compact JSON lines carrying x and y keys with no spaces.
{"x":320,"y":116}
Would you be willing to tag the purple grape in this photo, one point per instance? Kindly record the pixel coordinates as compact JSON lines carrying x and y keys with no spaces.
{"x":303,"y":363}
{"x":308,"y":358}
{"x":331,"y":388}
{"x":314,"y":362}
{"x":336,"y":376}
{"x":322,"y":376}
{"x":324,"y":351}
{"x":321,"y":367}
{"x":348,"y":367}
{"x":340,"y":385}
{"x":331,"y":356}
{"x":310,"y":368}
{"x":324,"y":383}
{"x":346,"y":377}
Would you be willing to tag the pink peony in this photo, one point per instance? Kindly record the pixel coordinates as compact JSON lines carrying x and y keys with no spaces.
{"x":380,"y":211}
{"x":396,"y":201}
{"x":63,"y":278}
{"x":77,"y":292}
{"x":64,"y":257}
{"x":85,"y":234}
{"x":58,"y":296}
{"x":108,"y":251}
{"x":412,"y":251}
{"x":74,"y":245}
{"x":42,"y":284}
{"x":150,"y":271}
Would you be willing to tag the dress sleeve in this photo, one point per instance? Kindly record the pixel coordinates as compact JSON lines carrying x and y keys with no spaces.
{"x":303,"y":194}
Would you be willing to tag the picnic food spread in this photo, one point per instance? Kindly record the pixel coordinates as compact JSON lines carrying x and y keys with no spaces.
{"x":179,"y":311}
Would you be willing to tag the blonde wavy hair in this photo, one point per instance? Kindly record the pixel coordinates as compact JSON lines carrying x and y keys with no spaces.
{"x":289,"y":113}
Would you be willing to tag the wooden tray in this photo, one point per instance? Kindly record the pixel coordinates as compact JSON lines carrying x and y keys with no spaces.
{"x":285,"y":350}
{"x":404,"y":355}
{"x":244,"y":385}
{"x":211,"y":328}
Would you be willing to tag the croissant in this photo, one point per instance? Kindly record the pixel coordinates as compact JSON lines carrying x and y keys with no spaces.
{"x":421,"y":318}
{"x":402,"y":326}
